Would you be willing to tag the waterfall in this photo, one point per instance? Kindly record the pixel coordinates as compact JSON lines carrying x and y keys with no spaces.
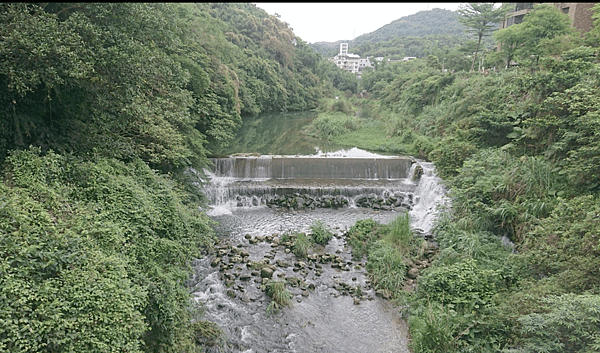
{"x":430,"y":194}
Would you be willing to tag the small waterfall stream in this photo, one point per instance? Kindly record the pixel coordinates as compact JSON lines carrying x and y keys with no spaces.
{"x":246,"y":195}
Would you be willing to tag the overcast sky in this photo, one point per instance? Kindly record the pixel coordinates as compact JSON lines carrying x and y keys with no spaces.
{"x":330,"y":22}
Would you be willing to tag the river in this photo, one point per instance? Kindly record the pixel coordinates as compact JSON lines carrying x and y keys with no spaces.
{"x":324,"y":317}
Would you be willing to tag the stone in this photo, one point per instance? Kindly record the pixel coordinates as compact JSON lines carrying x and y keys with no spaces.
{"x":215,"y":262}
{"x":266,"y":272}
{"x":413,"y":273}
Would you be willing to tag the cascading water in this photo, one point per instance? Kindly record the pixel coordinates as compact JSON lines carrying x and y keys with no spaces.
{"x":242,"y":191}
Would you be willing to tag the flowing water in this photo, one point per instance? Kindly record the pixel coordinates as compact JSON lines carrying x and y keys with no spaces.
{"x":323,"y":318}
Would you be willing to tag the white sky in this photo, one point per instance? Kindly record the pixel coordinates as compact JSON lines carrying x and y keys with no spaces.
{"x":330,"y":22}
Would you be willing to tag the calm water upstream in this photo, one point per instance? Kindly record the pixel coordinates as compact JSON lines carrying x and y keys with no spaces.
{"x":323,"y":317}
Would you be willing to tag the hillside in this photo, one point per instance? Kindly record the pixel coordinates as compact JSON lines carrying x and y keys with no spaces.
{"x":421,"y":24}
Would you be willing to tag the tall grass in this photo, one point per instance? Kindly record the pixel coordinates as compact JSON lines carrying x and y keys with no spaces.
{"x":320,"y":233}
{"x":301,"y":245}
{"x":280,"y":296}
{"x":385,"y":264}
{"x":400,"y":233}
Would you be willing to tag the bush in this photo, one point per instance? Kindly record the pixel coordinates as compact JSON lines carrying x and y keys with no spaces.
{"x":301,"y":245}
{"x":320,"y":233}
{"x":280,"y":296}
{"x":361,"y":236}
{"x":569,"y":323}
{"x":461,"y":284}
{"x":328,"y":125}
{"x":387,"y":267}
{"x":94,"y":256}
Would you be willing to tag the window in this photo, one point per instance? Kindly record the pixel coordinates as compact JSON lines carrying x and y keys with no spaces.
{"x":565,"y":10}
{"x":519,"y":19}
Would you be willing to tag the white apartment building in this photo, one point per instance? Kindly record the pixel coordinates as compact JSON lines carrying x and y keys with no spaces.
{"x":348,"y":61}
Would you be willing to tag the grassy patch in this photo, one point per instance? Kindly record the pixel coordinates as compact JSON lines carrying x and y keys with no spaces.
{"x":320,"y":233}
{"x":280,"y":296}
{"x":361,"y":235}
{"x":301,"y":245}
{"x":328,"y":125}
{"x":372,"y":136}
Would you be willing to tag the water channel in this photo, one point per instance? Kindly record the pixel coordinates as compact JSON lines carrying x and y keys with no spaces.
{"x":246,"y":194}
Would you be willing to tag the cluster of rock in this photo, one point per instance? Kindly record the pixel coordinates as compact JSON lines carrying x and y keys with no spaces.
{"x":298,"y":201}
{"x":236,"y":268}
{"x":389,"y":203}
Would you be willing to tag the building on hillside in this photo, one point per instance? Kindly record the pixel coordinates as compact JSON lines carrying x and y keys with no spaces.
{"x":350,"y":62}
{"x":580,"y":13}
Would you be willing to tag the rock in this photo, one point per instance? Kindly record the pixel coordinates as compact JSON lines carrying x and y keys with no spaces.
{"x":231,"y":294}
{"x":245,"y":277}
{"x":266,"y":272}
{"x":356,"y":301}
{"x":413,"y":273}
{"x":215,"y":262}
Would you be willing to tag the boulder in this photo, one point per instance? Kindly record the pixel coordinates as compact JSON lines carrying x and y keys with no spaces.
{"x":266,"y":272}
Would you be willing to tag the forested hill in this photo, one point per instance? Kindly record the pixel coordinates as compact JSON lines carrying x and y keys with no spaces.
{"x":150,"y":81}
{"x":103,"y":107}
{"x":421,"y":24}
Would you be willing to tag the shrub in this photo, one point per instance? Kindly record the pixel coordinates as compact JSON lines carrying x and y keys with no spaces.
{"x":569,"y":323}
{"x":320,"y":233}
{"x":301,"y":245}
{"x":94,"y":256}
{"x":386,"y":266}
{"x":328,"y":125}
{"x":461,"y":284}
{"x":280,"y":296}
{"x":361,"y":236}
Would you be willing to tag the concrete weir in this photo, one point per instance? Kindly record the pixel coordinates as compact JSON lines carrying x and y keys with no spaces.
{"x":290,"y":167}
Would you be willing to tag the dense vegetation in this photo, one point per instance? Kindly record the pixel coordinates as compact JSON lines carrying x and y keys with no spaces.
{"x":106,"y":106}
{"x":518,"y":268}
{"x":104,"y":109}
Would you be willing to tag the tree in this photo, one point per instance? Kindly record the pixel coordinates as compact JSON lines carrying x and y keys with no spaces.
{"x":544,"y":31}
{"x":481,"y":18}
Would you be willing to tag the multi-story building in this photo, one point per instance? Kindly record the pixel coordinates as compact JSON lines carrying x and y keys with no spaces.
{"x":350,"y":62}
{"x":580,"y":13}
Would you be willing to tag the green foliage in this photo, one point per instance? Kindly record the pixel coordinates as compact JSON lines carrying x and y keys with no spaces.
{"x":302,"y":243}
{"x":461,"y":284}
{"x":544,"y":31}
{"x":321,"y":234}
{"x":94,"y":256}
{"x":280,"y":296}
{"x":386,"y":265}
{"x":328,"y":125}
{"x":208,"y":333}
{"x":361,"y":236}
{"x":433,"y":330}
{"x":400,"y":234}
{"x":564,"y":247}
{"x":568,"y":323}
{"x":481,"y":18}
